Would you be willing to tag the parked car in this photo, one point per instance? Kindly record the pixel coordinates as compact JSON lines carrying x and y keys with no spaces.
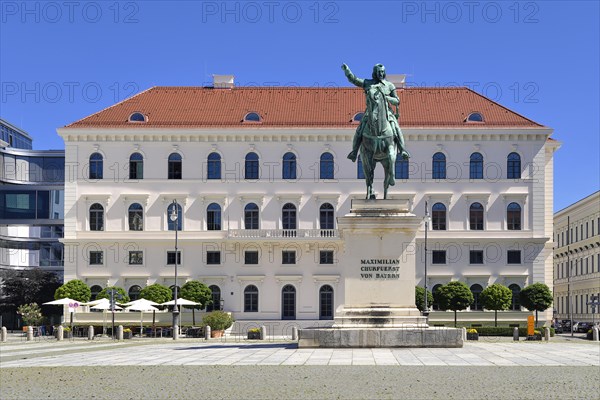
{"x":583,"y":327}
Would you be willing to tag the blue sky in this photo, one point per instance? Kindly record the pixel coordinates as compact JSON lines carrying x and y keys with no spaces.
{"x":61,"y":61}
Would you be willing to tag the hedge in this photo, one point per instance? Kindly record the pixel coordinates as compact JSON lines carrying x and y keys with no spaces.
{"x":502,"y":331}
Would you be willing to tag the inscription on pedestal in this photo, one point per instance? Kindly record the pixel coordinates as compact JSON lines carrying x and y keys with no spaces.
{"x":379,"y":269}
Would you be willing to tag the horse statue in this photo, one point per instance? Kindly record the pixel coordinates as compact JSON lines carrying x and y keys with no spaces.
{"x":378,"y":135}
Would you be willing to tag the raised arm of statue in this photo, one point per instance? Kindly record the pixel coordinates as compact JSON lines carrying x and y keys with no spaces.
{"x":351,"y":77}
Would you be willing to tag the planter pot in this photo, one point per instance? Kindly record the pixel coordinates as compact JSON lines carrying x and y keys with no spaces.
{"x":216,"y":334}
{"x":254,"y":335}
{"x":472,"y":336}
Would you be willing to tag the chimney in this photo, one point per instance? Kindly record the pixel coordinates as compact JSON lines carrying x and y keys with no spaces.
{"x":399,"y":80}
{"x":223,"y":81}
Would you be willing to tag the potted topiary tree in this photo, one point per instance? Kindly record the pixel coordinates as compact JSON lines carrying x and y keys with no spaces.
{"x":472,"y":334}
{"x":254,"y":333}
{"x":218,"y":322}
{"x":454,"y":296}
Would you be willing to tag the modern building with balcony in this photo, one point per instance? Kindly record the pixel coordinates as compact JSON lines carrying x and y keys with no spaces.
{"x":577,"y":260}
{"x":259,"y":176}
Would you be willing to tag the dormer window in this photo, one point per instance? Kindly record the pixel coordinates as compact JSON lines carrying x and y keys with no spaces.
{"x":137,"y":117}
{"x":474,"y":117}
{"x":252,"y":117}
{"x":357,"y":117}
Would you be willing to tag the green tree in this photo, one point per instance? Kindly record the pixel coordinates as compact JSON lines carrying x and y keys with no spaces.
{"x":31,"y":314}
{"x":420,"y":298}
{"x":496,"y":297}
{"x":536,"y":297}
{"x":123,"y":297}
{"x":157,"y":293}
{"x":454,"y":296}
{"x":29,"y":286}
{"x":75,"y":289}
{"x":198,"y":292}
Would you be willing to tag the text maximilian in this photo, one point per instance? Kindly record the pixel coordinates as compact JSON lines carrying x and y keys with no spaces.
{"x":380,"y":262}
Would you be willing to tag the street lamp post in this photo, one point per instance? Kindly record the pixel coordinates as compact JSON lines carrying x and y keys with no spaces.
{"x":427,"y":220}
{"x":175,"y":219}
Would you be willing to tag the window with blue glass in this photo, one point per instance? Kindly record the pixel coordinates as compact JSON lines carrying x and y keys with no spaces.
{"x":438,"y":217}
{"x":439,"y":166}
{"x":175,"y":166}
{"x":251,"y":216}
{"x":513,"y":217}
{"x":513,"y":166}
{"x":177,"y":223}
{"x":136,"y":217}
{"x":476,"y":217}
{"x":96,"y":217}
{"x":136,"y":166}
{"x":251,"y":166}
{"x":326,"y":166}
{"x":289,"y":166}
{"x":288,"y":217}
{"x":213,"y":217}
{"x":96,"y":166}
{"x":326,"y":216}
{"x":401,"y":168}
{"x":25,"y":204}
{"x":476,"y":166}
{"x":214,"y":166}
{"x":360,"y":172}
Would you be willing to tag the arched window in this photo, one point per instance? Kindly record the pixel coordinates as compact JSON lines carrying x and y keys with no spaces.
{"x":96,"y":166}
{"x":289,"y":166}
{"x":439,"y":166}
{"x":288,"y":216}
{"x":474,"y":117}
{"x":326,"y":302}
{"x":288,"y":302}
{"x":215,"y":304}
{"x":476,"y":166}
{"x":326,"y":166}
{"x":513,"y":166}
{"x":179,"y":222}
{"x":251,"y":166}
{"x":251,"y":299}
{"x":251,"y":220}
{"x":360,"y":172}
{"x":134,"y":292}
{"x":213,"y":217}
{"x":516,"y":302}
{"x":213,"y":166}
{"x":401,"y":168}
{"x":96,"y":217}
{"x":136,"y":166}
{"x":175,"y":166}
{"x":136,"y":217}
{"x":436,"y":304}
{"x":96,"y":289}
{"x":438,"y":217}
{"x":513,"y":217}
{"x":137,"y":117}
{"x":477,"y":304}
{"x":252,"y":117}
{"x":476,"y":217}
{"x":358,"y":117}
{"x":326,"y":218}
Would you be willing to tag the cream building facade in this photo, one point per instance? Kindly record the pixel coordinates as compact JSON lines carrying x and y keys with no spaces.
{"x":261,"y":175}
{"x":577,"y":260}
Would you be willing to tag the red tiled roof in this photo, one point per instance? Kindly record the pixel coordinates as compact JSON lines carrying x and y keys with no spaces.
{"x":205,"y":107}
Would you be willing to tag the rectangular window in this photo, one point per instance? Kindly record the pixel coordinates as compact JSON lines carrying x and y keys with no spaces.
{"x":513,"y":257}
{"x":213,"y":257}
{"x":251,"y":257}
{"x":438,"y":257}
{"x":326,"y":257}
{"x":171,"y":257}
{"x":476,"y":257}
{"x":136,"y":257}
{"x":288,"y":257}
{"x":96,"y":257}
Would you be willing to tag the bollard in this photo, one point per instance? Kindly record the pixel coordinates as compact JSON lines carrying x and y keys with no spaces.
{"x":546,"y":334}
{"x":61,"y":333}
{"x":464,"y":334}
{"x":263,"y":332}
{"x":595,"y":333}
{"x":175,"y":332}
{"x":516,"y":334}
{"x":294,"y":333}
{"x":91,"y":333}
{"x":207,"y":332}
{"x":4,"y":335}
{"x":29,"y":333}
{"x":120,"y":332}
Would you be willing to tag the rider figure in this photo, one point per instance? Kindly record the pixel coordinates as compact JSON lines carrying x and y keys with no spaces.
{"x":389,"y":90}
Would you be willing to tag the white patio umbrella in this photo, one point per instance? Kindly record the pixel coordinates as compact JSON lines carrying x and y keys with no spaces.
{"x":144,"y":303}
{"x":184,"y":302}
{"x":105,"y":306}
{"x":62,"y":302}
{"x":97,"y":302}
{"x":141,"y":307}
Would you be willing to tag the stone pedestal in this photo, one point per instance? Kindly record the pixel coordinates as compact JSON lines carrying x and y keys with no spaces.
{"x":379,"y":283}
